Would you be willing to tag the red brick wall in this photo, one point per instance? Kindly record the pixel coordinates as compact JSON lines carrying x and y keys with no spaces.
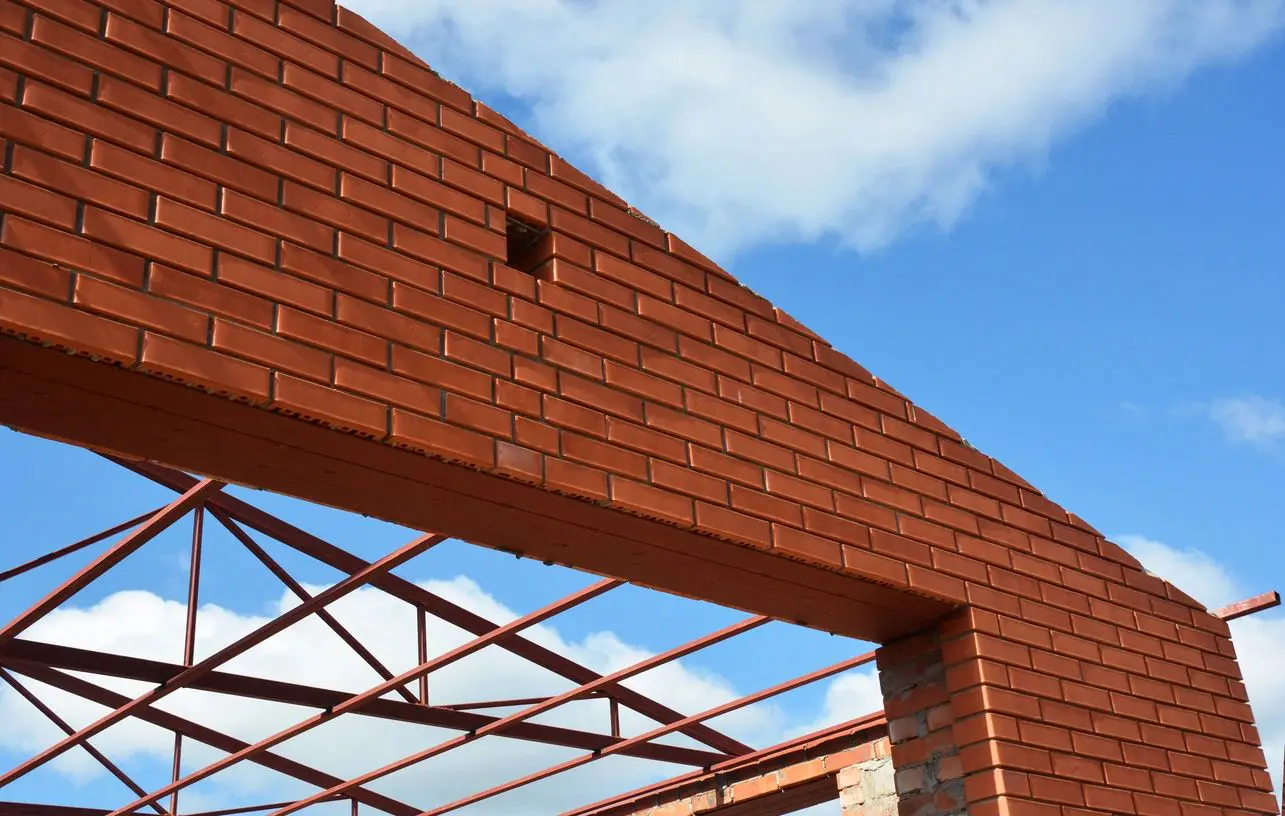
{"x":276,"y":204}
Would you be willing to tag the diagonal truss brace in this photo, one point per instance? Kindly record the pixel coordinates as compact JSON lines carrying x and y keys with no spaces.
{"x":340,"y":559}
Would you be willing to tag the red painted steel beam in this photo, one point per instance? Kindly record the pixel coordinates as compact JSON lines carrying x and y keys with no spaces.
{"x":200,"y":733}
{"x":64,"y":726}
{"x":535,"y":710}
{"x":1258,"y":603}
{"x":340,"y":559}
{"x":655,"y":733}
{"x":304,"y":596}
{"x":34,"y":809}
{"x":26,"y":656}
{"x":240,"y":646}
{"x":356,"y":702}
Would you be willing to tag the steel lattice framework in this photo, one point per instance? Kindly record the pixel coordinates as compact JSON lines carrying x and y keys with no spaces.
{"x":203,"y":501}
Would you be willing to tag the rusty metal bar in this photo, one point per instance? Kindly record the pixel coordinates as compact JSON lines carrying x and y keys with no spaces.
{"x":208,"y":736}
{"x":421,"y":632}
{"x":22,"y":655}
{"x":113,"y":556}
{"x":189,"y":631}
{"x":535,"y":710}
{"x":67,"y":728}
{"x":49,"y":557}
{"x":659,"y":731}
{"x":615,"y":718}
{"x":304,"y":596}
{"x":415,"y":595}
{"x":1249,"y":606}
{"x":240,"y":646}
{"x":35,"y":809}
{"x":355,"y":702}
{"x":516,"y":701}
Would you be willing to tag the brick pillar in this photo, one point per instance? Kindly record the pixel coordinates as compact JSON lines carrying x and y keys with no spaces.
{"x":928,"y":780}
{"x":868,"y":788}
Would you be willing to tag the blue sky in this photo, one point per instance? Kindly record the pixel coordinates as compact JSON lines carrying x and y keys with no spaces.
{"x":1059,"y":233}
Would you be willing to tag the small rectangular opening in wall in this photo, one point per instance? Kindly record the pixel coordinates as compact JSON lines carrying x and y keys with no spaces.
{"x":523,"y":244}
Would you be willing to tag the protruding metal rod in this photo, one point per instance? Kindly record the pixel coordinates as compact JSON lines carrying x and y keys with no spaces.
{"x":1249,"y":606}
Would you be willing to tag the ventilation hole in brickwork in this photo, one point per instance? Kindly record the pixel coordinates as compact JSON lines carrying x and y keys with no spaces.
{"x":524,"y":243}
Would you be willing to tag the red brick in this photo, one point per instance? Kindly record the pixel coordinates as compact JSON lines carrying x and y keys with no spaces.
{"x":134,"y":307}
{"x":27,"y":128}
{"x":442,"y":373}
{"x":425,"y":189}
{"x":281,"y":43}
{"x":93,"y":119}
{"x":36,"y":62}
{"x":101,"y":54}
{"x":232,"y":110}
{"x":650,"y":501}
{"x":439,"y":253}
{"x":64,"y":327}
{"x":203,"y":368}
{"x":326,"y":35}
{"x":798,"y":544}
{"x":729,"y":524}
{"x":420,"y":433}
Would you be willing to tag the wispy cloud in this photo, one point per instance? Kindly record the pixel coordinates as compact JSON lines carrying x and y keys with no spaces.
{"x":1251,"y":420}
{"x":855,"y":120}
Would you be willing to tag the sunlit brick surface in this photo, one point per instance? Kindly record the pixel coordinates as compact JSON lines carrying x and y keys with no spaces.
{"x":276,"y":204}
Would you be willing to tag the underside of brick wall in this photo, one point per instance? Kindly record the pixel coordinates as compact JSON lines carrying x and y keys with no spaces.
{"x":262,"y":241}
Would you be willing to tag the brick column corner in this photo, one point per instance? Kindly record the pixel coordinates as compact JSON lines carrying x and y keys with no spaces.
{"x":927,"y":773}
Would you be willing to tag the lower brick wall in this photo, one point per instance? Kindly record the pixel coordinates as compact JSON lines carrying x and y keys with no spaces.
{"x":928,"y":777}
{"x":868,"y":789}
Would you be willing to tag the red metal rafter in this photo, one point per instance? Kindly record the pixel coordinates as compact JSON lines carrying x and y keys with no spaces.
{"x":26,"y":656}
{"x":33,"y":809}
{"x":244,"y":644}
{"x":355,"y":702}
{"x":655,"y":733}
{"x":326,"y":553}
{"x":66,"y":728}
{"x":198,"y":492}
{"x":304,"y":596}
{"x":535,"y":710}
{"x":189,"y":629}
{"x":77,"y":547}
{"x":203,"y":734}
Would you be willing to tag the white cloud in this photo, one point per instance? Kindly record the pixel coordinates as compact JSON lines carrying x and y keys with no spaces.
{"x":139,"y":623}
{"x":1251,"y":419}
{"x":739,"y":123}
{"x":1259,"y":639}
